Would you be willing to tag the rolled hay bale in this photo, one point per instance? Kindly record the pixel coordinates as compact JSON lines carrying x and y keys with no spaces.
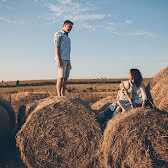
{"x":103,"y":103}
{"x":18,"y":99}
{"x":59,"y":132}
{"x":138,"y":138}
{"x":159,"y":76}
{"x":22,"y":98}
{"x":23,"y":95}
{"x":8,"y":110}
{"x":158,"y":90}
{"x":25,"y":110}
{"x":7,"y":129}
{"x":4,"y":124}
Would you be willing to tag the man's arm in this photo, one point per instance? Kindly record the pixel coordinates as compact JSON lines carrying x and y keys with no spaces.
{"x":70,"y":66}
{"x":57,"y":52}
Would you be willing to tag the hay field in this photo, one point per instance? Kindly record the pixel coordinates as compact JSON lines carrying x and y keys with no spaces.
{"x":89,"y":90}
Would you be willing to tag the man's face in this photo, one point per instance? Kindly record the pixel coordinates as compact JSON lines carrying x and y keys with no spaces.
{"x":68,"y":27}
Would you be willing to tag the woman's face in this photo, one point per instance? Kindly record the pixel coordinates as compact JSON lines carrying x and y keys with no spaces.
{"x":130,"y":77}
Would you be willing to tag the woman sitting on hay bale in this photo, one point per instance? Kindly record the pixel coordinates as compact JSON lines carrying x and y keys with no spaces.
{"x":134,"y":87}
{"x":138,"y":88}
{"x":123,"y":102}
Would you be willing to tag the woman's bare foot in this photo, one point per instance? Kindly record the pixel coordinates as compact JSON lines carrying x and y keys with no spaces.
{"x":123,"y":111}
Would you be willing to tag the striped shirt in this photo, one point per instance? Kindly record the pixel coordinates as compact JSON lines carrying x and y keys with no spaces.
{"x":62,"y":40}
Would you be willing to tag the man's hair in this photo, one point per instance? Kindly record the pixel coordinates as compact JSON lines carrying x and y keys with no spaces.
{"x":68,"y":22}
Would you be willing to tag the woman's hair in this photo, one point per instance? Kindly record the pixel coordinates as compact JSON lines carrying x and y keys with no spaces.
{"x":136,"y":74}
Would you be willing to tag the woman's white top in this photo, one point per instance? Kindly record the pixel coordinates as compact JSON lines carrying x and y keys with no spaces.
{"x":138,"y":93}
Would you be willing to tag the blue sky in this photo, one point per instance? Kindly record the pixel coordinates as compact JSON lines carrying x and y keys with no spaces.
{"x":108,"y":38}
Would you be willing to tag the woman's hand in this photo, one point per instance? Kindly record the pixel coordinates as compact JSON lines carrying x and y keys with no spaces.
{"x":143,"y":104}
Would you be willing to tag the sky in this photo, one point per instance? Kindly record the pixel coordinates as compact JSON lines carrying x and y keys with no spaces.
{"x":108,"y":38}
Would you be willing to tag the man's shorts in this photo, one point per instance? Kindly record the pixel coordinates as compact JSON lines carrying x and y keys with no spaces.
{"x":64,"y":70}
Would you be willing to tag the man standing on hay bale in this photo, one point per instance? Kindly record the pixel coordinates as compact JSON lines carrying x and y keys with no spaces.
{"x":62,"y":45}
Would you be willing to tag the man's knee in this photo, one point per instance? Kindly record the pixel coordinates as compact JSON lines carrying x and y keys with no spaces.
{"x":60,"y":79}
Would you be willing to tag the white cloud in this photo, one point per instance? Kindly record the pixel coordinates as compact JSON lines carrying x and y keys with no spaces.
{"x":3,"y":19}
{"x":22,"y":22}
{"x":112,"y":24}
{"x":115,"y":32}
{"x":65,"y":1}
{"x":87,"y":17}
{"x":3,"y":4}
{"x":128,"y":21}
{"x":88,"y":27}
{"x":10,"y":21}
{"x":56,"y":9}
{"x":142,"y":33}
{"x":66,"y":7}
{"x":80,"y":13}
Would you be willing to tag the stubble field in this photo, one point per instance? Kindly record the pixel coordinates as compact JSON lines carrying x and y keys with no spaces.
{"x":89,"y":90}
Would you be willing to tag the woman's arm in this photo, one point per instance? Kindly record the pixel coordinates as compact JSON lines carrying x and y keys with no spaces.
{"x":143,"y":103}
{"x":129,"y":99}
{"x":117,"y":98}
{"x":144,"y":96}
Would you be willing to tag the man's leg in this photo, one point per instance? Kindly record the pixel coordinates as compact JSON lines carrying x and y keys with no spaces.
{"x":59,"y":86}
{"x":66,"y":76}
{"x":64,"y":82}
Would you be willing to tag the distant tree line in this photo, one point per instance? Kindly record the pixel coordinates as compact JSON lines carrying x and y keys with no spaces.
{"x":18,"y":84}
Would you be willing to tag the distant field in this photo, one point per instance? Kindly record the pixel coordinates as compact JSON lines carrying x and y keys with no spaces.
{"x":53,"y":81}
{"x":89,"y":90}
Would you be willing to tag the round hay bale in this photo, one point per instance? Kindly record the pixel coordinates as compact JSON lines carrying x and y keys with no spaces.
{"x":4,"y":124}
{"x":8,"y":110}
{"x":59,"y":132}
{"x":138,"y":138}
{"x":21,"y":99}
{"x":25,"y":110}
{"x":28,"y":97}
{"x":158,"y":90}
{"x":159,"y":76}
{"x":7,"y":129}
{"x":103,"y":103}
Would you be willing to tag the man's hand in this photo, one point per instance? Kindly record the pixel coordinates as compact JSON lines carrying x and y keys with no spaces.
{"x":59,"y":63}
